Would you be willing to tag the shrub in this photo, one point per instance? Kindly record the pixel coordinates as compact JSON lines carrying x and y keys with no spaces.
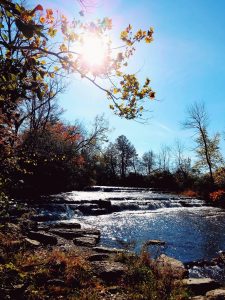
{"x":217,"y":196}
{"x":190,"y":193}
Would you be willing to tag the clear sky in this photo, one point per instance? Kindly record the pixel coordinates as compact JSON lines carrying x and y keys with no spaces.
{"x":186,"y":63}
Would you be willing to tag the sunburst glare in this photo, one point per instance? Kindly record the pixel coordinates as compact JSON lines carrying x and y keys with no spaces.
{"x":93,"y":51}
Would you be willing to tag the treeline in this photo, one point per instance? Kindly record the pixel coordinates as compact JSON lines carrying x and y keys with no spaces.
{"x":48,"y":155}
{"x":53,"y":156}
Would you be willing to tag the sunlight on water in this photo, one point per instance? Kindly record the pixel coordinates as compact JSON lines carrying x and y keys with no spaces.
{"x":190,"y":233}
{"x":191,"y":230}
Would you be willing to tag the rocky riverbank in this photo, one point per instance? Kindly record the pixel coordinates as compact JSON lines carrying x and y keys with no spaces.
{"x":63,"y":261}
{"x":112,"y":269}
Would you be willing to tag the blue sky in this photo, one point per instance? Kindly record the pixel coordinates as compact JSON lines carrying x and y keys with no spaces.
{"x":186,"y":63}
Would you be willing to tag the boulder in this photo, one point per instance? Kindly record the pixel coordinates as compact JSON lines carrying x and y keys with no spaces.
{"x":217,"y":294}
{"x":43,"y":237}
{"x":171,"y":265}
{"x":85,"y":241}
{"x":200,"y":286}
{"x":109,"y":271}
{"x":74,"y":233}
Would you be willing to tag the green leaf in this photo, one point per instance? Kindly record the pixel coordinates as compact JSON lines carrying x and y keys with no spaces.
{"x":5,"y":37}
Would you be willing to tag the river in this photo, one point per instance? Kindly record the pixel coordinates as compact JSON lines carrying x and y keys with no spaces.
{"x":191,"y":229}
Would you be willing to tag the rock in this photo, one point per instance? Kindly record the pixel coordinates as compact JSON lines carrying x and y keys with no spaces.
{"x":44,"y":218}
{"x":98,"y":257}
{"x":175,"y":267}
{"x":154,"y":242}
{"x":218,"y":294}
{"x":98,"y":211}
{"x":85,"y":241}
{"x":87,"y":208}
{"x":107,"y":250}
{"x":43,"y":237}
{"x":96,"y":237}
{"x":74,"y":233}
{"x":27,"y":225}
{"x":43,"y":227}
{"x":199,"y":286}
{"x":104,"y":204}
{"x":32,"y":243}
{"x":56,"y":281}
{"x":199,"y":298}
{"x":66,"y":225}
{"x":109,"y":271}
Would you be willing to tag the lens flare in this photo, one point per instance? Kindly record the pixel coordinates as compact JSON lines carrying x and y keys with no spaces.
{"x":93,"y":52}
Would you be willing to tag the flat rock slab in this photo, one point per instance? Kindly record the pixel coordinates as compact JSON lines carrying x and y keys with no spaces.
{"x":85,"y":241}
{"x":217,"y":294}
{"x":66,"y":225}
{"x":32,"y":243}
{"x":56,"y":281}
{"x":155,"y":242}
{"x":98,"y":257}
{"x":107,"y":250}
{"x":74,"y":233}
{"x":171,"y":265}
{"x":43,"y":237}
{"x":109,"y":271}
{"x":200,"y":286}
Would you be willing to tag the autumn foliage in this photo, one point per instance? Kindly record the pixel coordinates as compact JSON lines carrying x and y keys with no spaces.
{"x":217,"y":196}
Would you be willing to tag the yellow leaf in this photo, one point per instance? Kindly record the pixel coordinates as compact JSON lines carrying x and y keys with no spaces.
{"x":148,"y":39}
{"x":42,"y":19}
{"x":124,"y":34}
{"x":63,"y":48}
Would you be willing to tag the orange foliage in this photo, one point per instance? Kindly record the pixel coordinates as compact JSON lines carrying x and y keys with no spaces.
{"x":190,"y":193}
{"x":217,"y":195}
{"x":64,"y":132}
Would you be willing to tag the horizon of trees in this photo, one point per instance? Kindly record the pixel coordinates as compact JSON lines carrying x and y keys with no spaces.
{"x":60,"y":156}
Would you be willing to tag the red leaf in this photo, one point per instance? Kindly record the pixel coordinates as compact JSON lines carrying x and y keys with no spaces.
{"x":38,"y":7}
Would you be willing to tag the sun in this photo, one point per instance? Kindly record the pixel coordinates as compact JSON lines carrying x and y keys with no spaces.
{"x":93,"y":52}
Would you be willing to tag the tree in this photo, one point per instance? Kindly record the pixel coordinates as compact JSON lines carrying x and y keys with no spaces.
{"x":148,"y":161}
{"x":164,"y":158}
{"x":37,"y":45}
{"x":182,"y":163}
{"x":207,"y":148}
{"x":126,"y":153}
{"x":111,"y":160}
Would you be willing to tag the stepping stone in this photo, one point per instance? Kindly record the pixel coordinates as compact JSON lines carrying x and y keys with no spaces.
{"x":43,"y":237}
{"x":85,"y":241}
{"x":199,"y":286}
{"x":109,"y":271}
